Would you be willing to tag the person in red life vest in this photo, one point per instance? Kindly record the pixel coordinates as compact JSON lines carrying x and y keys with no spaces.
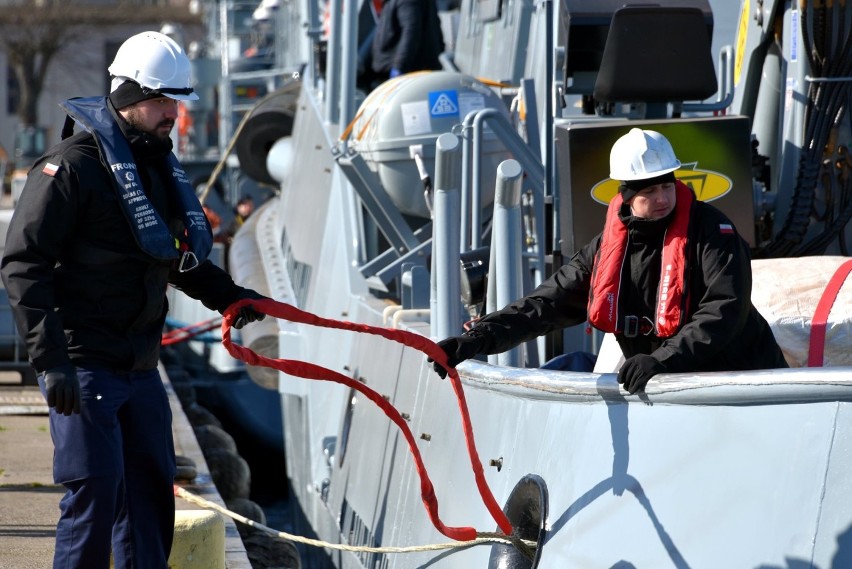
{"x":106,"y":222}
{"x":669,"y":276}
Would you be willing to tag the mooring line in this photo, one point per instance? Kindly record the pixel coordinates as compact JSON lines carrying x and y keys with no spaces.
{"x":482,"y":537}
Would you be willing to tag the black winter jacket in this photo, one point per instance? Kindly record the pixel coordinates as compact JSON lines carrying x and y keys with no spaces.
{"x":80,"y":287}
{"x":723,"y":330}
{"x":408,"y":37}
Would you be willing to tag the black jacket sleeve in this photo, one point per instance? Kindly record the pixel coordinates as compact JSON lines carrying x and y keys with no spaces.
{"x":559,"y":302}
{"x":43,"y":221}
{"x":211,"y":285}
{"x":721,"y":296}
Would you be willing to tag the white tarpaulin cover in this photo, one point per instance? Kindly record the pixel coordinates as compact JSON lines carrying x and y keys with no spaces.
{"x":787,"y":291}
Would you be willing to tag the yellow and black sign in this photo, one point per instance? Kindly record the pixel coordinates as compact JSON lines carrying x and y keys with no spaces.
{"x":706,"y":184}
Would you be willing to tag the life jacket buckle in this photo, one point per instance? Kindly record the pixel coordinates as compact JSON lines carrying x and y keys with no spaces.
{"x":188,"y":261}
{"x":634,"y":325}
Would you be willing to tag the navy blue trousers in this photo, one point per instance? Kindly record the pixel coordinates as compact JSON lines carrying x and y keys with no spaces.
{"x":117,"y":461}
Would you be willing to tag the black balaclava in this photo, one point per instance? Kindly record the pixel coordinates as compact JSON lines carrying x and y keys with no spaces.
{"x":630,"y":188}
{"x":130,"y":93}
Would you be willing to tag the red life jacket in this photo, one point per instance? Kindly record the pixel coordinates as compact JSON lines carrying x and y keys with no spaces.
{"x":606,"y":274}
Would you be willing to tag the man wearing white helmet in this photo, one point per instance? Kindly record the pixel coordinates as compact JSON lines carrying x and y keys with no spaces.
{"x":668,"y":276}
{"x":106,"y":221}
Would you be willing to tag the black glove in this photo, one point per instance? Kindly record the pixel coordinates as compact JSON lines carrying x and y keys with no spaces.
{"x":459,"y":349}
{"x":636,"y":372}
{"x":247,"y":313}
{"x":63,"y":389}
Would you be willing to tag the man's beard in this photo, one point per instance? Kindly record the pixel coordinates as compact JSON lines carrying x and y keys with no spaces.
{"x":134,"y":120}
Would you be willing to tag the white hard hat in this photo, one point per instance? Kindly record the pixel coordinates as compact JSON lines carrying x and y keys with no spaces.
{"x":641,"y":154}
{"x":156,"y":62}
{"x":261,"y":13}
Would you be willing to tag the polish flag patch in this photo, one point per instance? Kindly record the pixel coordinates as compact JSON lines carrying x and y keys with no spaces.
{"x":726,"y":229}
{"x":50,"y":169}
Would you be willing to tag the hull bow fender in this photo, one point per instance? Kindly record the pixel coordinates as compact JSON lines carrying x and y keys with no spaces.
{"x":246,"y":265}
{"x":527,"y":510}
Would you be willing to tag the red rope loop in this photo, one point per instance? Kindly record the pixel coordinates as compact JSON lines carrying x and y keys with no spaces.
{"x":816,"y":346}
{"x":188,"y":332}
{"x":311,"y":371}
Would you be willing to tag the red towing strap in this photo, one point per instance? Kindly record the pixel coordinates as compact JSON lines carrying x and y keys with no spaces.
{"x":311,"y":371}
{"x":816,"y":350}
{"x":189,"y":332}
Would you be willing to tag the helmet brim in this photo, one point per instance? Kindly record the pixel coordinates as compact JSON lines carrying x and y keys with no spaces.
{"x":645,"y":175}
{"x":190,"y":97}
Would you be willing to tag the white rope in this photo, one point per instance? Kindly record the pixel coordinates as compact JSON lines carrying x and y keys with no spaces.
{"x":484,"y":537}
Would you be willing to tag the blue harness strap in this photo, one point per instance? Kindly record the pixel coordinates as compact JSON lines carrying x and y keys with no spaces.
{"x":148,"y":228}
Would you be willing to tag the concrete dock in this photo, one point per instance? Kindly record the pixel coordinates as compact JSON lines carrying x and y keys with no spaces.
{"x":29,"y":500}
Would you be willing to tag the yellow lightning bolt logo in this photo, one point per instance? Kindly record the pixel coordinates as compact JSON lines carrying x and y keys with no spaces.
{"x":706,"y":184}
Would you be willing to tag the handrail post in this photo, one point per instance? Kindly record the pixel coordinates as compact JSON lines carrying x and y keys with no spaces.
{"x":507,"y":246}
{"x":445,"y":298}
{"x":349,"y":63}
{"x":528,"y":161}
{"x":332,"y":65}
{"x":466,"y":164}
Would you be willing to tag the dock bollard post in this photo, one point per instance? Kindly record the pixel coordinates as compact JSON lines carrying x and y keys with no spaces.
{"x":199,"y":541}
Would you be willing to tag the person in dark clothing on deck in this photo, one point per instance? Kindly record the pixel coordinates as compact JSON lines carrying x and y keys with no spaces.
{"x":242,"y":211}
{"x":669,"y":276}
{"x":408,"y":38}
{"x":106,"y":221}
